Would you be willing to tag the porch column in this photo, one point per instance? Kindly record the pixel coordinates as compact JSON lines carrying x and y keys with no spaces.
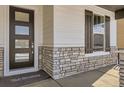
{"x":120,"y":44}
{"x":121,"y":71}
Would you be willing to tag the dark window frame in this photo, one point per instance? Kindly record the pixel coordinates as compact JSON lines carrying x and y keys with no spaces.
{"x":106,"y":37}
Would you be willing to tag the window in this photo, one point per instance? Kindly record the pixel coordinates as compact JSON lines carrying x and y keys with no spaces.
{"x":21,"y":16}
{"x":98,"y":33}
{"x":21,"y":43}
{"x":21,"y":57}
{"x":21,"y":30}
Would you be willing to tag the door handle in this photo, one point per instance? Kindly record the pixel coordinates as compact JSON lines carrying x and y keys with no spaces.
{"x":32,"y":45}
{"x":32,"y":52}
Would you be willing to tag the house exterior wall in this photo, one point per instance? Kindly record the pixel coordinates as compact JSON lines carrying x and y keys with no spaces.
{"x":69,"y":25}
{"x":59,"y":41}
{"x":48,"y":34}
{"x":67,"y":56}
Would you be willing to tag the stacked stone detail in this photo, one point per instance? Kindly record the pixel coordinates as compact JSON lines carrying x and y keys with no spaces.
{"x":60,"y":62}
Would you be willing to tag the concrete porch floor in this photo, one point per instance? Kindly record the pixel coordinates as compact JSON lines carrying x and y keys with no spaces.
{"x":103,"y":77}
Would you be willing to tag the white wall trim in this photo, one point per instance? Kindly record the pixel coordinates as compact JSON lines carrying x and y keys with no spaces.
{"x":98,"y":53}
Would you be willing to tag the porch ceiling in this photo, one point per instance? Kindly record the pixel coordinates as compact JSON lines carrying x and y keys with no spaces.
{"x":112,"y":7}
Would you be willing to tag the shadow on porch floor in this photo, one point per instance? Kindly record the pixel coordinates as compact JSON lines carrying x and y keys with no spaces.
{"x":23,"y":79}
{"x":103,"y":77}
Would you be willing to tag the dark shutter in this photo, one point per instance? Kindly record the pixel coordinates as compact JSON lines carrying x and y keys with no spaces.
{"x":107,"y":33}
{"x":88,"y":31}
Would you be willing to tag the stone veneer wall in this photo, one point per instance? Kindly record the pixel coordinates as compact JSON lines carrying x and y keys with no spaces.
{"x":61,"y":62}
{"x":1,"y":62}
{"x":121,"y":70}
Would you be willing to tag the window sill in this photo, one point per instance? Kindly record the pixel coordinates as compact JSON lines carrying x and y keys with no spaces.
{"x":99,"y":53}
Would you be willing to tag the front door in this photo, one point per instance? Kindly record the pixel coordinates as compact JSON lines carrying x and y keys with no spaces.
{"x":21,"y":38}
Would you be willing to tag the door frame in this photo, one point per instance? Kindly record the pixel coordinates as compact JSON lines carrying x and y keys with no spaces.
{"x":13,"y":37}
{"x":7,"y":71}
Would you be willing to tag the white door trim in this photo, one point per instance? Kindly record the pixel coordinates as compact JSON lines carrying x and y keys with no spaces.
{"x":7,"y":71}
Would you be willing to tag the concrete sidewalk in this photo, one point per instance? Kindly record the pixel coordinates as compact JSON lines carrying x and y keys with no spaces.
{"x":103,"y":77}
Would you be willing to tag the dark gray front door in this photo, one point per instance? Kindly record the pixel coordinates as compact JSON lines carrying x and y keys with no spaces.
{"x":21,"y":37}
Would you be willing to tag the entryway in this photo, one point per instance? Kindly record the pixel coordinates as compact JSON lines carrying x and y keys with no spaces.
{"x":21,"y":38}
{"x":23,"y":79}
